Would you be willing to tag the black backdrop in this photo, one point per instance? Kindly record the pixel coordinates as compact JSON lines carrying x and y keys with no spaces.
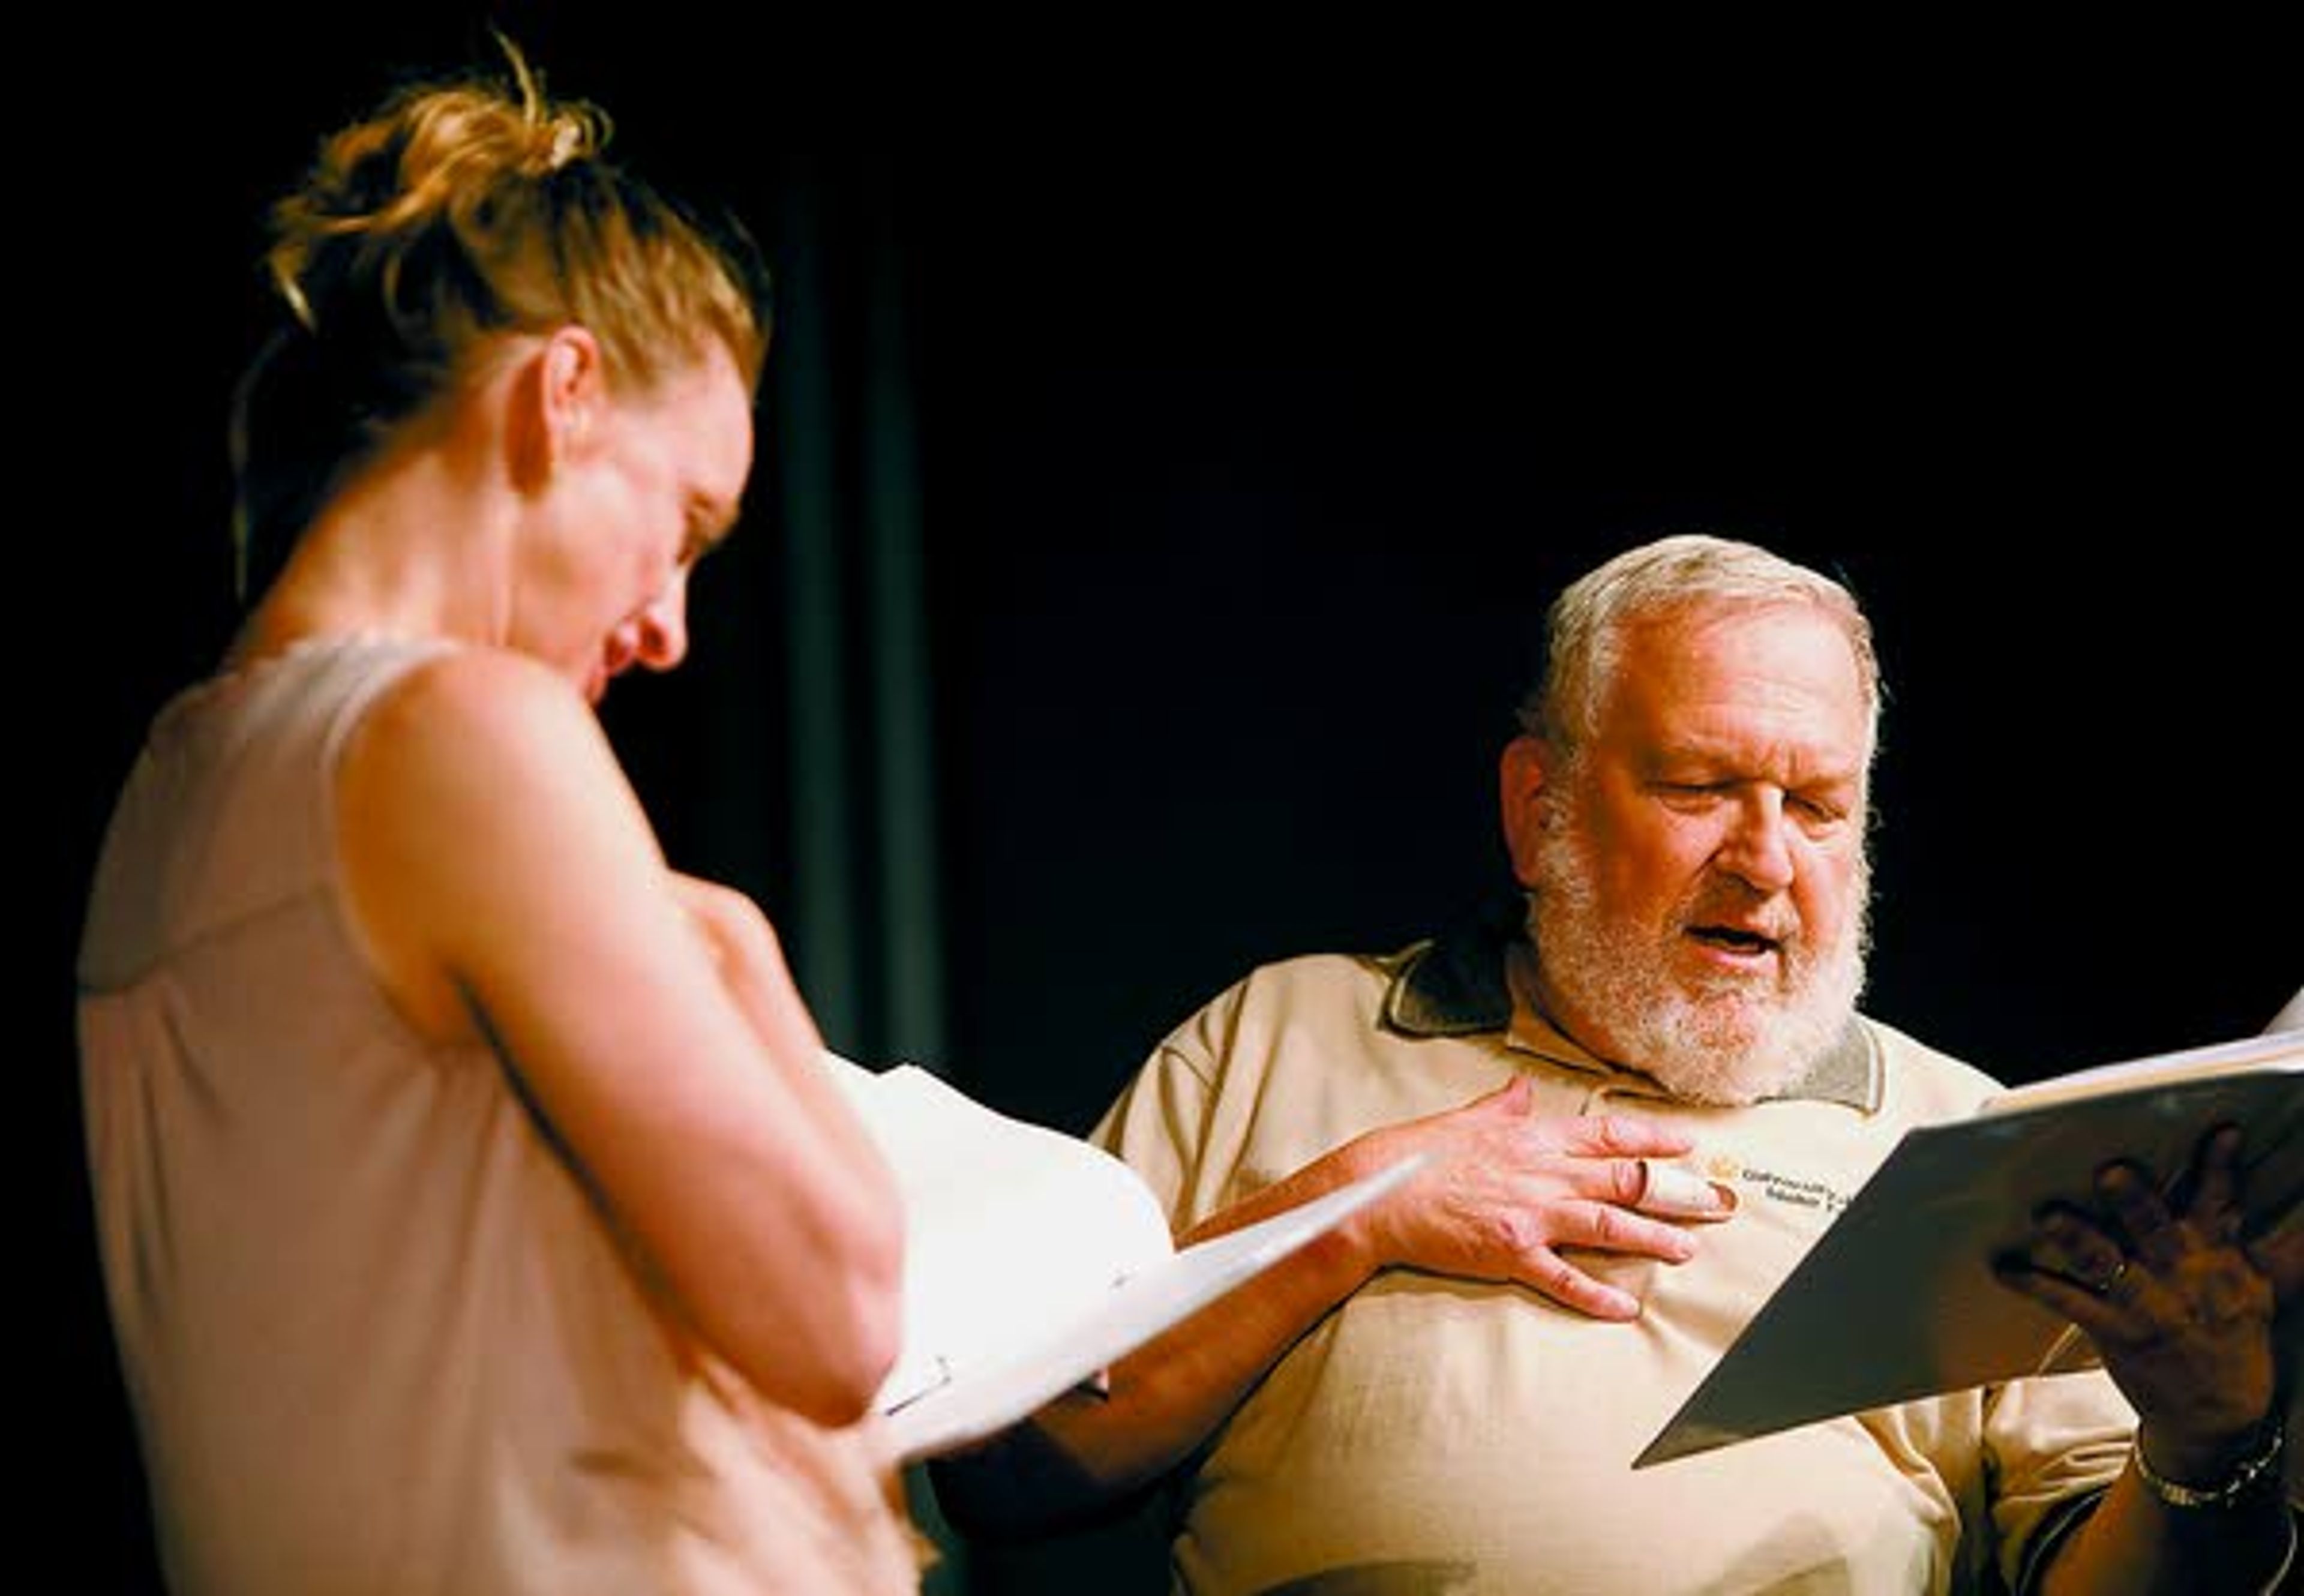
{"x":1241,"y":473}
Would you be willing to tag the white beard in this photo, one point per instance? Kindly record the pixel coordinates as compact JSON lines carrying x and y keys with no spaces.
{"x":1725,"y":1040}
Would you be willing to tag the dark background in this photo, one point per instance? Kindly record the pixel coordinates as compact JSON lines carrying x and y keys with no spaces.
{"x":1240,"y":472}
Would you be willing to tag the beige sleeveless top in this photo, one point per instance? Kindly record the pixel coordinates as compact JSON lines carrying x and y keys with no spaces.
{"x":376,"y":1335}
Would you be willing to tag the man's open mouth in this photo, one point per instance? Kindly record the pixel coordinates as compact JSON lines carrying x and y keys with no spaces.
{"x":1734,"y":938}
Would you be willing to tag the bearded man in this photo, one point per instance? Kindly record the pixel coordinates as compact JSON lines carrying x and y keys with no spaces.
{"x":1644,"y":1091}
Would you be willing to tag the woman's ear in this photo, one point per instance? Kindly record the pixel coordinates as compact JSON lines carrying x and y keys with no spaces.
{"x":550,"y":401}
{"x":573,"y":386}
{"x":1523,"y":773}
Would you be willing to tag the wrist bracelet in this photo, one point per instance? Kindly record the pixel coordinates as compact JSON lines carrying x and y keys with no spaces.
{"x":2246,"y":1473}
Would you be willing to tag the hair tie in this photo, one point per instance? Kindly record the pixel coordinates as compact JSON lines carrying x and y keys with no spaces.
{"x":567,"y":144}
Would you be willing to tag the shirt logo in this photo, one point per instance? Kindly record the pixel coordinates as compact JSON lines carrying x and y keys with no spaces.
{"x":1792,"y":1190}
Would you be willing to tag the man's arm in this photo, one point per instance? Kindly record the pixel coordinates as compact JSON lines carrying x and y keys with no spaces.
{"x":1504,"y":1191}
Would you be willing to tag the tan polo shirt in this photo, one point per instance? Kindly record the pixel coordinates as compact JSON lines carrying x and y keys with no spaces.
{"x":1445,"y":1435}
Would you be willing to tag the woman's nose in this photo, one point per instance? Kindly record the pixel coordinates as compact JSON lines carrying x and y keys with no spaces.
{"x":663,"y":641}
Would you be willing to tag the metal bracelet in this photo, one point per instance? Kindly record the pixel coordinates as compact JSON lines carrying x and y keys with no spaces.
{"x":2249,"y":1470}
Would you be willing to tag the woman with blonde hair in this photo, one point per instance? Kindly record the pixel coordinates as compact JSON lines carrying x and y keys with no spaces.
{"x":476,"y":1216}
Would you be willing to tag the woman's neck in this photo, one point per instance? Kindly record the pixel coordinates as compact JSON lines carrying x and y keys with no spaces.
{"x":407,"y":553}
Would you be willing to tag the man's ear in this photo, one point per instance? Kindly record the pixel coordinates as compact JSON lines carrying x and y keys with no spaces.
{"x":1523,"y":773}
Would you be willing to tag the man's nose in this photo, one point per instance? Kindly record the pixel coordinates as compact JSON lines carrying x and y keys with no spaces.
{"x":1758,"y":847}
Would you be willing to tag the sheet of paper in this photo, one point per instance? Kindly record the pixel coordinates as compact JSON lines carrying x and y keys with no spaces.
{"x":1897,"y":1299}
{"x":1007,"y":1223}
{"x":1055,"y":1358}
{"x":1034,"y":1260}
